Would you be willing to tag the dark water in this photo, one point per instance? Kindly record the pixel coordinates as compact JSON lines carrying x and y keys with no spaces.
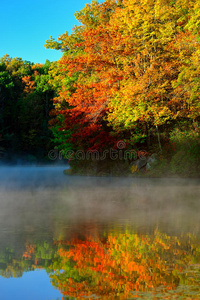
{"x":97,"y":238}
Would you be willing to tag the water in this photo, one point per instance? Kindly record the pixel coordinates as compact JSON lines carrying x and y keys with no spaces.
{"x":97,"y":237}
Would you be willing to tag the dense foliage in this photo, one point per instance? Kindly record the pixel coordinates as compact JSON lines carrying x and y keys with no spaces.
{"x":129,"y":72}
{"x":25,"y":93}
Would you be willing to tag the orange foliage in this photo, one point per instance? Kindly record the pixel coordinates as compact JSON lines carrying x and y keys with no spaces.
{"x":30,"y":251}
{"x":123,"y":264}
{"x":29,"y":84}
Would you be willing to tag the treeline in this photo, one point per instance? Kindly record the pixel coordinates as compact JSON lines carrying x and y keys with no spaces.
{"x":128,"y":80}
{"x":25,"y":101}
{"x":130,"y":72}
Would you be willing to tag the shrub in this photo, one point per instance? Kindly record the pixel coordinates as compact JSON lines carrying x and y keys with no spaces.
{"x":186,"y":160}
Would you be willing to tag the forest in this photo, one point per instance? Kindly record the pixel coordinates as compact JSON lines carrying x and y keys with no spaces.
{"x":128,"y":83}
{"x":25,"y":102}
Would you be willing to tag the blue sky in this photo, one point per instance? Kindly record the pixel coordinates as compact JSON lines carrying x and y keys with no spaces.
{"x":25,"y":25}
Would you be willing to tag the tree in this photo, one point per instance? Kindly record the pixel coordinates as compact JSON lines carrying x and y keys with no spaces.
{"x":83,"y":89}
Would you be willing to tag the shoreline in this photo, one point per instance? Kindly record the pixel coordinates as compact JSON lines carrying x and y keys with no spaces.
{"x":142,"y":174}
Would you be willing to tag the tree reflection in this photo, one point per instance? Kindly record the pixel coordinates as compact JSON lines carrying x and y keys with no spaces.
{"x":122,"y":264}
{"x":113,"y":265}
{"x":38,"y":255}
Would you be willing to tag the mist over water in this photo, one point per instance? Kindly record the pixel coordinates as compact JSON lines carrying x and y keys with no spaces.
{"x":16,"y":177}
{"x":39,"y":206}
{"x":44,"y":201}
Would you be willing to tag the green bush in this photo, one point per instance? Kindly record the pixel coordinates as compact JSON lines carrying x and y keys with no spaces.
{"x":186,"y":159}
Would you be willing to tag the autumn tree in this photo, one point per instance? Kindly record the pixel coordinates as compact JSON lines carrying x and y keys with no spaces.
{"x":84,"y":88}
{"x":124,"y":71}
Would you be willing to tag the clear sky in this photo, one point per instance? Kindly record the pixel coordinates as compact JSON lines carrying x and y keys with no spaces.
{"x":25,"y":25}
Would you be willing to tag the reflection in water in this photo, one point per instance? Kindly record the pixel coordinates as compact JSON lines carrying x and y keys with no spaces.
{"x":116,"y":264}
{"x":33,"y":285}
{"x":125,"y":264}
{"x":101,"y":237}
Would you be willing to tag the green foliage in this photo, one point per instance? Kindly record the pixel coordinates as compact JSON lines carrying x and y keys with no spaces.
{"x":129,"y":71}
{"x":6,"y":80}
{"x":26,"y":91}
{"x":61,"y":137}
{"x":137,"y":139}
{"x":186,"y":160}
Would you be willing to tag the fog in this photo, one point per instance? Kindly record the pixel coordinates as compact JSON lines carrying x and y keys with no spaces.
{"x":42,"y":202}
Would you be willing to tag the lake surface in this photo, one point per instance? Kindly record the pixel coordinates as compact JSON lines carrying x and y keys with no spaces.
{"x":71,"y":237}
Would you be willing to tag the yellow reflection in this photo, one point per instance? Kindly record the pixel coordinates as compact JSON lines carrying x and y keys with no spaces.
{"x":125,"y":264}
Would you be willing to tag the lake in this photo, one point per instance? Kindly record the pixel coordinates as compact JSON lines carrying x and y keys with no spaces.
{"x":76,"y":237}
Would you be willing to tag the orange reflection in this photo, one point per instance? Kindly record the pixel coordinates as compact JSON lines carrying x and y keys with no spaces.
{"x":118,"y":266}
